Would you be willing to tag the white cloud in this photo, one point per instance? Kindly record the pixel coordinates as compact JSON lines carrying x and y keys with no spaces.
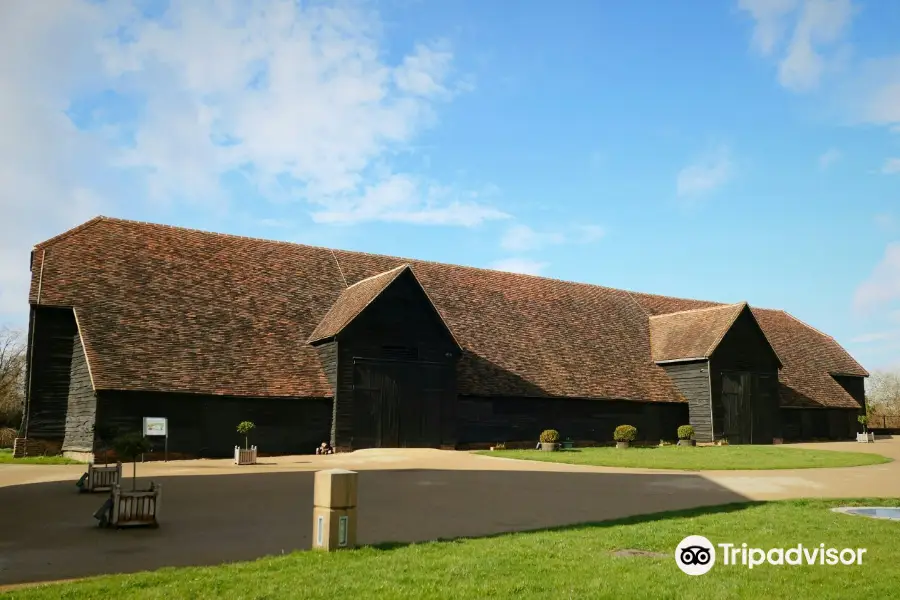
{"x":520,"y":265}
{"x":298,"y":98}
{"x":47,"y":166}
{"x":822,"y":23}
{"x":879,"y":336}
{"x":705,"y":175}
{"x":829,"y":157}
{"x":865,"y":89}
{"x":405,"y":199}
{"x":770,"y":17}
{"x":891,"y":166}
{"x":883,"y":285}
{"x":813,"y":29}
{"x":521,"y":238}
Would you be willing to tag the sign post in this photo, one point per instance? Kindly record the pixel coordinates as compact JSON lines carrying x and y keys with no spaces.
{"x":157,"y":427}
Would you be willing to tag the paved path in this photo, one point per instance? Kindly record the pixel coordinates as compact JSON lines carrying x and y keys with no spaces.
{"x":214,"y":511}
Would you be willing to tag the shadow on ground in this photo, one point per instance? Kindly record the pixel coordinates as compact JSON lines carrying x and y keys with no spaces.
{"x":48,"y":532}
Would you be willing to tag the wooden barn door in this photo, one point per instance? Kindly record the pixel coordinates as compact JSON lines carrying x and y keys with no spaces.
{"x":396,"y":403}
{"x":750,"y":403}
{"x":377,"y":404}
{"x":736,"y":396}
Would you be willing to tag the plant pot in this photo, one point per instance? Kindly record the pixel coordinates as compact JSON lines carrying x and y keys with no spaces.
{"x":244,"y":457}
{"x":102,"y":478}
{"x":622,"y":444}
{"x":687,"y":442}
{"x":131,"y":508}
{"x":867,"y":437}
{"x":568,"y":445}
{"x":549,"y":446}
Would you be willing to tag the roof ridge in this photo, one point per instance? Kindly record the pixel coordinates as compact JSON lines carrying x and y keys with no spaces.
{"x":822,"y":333}
{"x":694,"y":310}
{"x":376,"y":275}
{"x":639,"y":305}
{"x":805,"y":324}
{"x":406,"y":260}
{"x":70,"y":232}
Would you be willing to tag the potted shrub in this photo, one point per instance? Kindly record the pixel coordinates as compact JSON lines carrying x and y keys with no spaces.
{"x":247,"y":455}
{"x":624,"y":435}
{"x":134,"y":507}
{"x":686,"y":436}
{"x":129,"y":446}
{"x":866,"y":436}
{"x":549,"y":440}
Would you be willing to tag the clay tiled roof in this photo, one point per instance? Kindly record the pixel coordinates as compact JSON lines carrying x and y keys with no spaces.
{"x":170,"y":309}
{"x":809,"y":357}
{"x":352,"y":301}
{"x":691,"y":334}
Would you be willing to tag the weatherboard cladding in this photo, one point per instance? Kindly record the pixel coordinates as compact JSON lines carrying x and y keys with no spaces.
{"x":170,"y":309}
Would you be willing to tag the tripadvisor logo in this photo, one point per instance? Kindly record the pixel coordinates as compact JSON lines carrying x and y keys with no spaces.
{"x":696,"y":555}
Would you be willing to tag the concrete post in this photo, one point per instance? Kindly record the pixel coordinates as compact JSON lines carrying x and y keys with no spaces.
{"x":334,"y":510}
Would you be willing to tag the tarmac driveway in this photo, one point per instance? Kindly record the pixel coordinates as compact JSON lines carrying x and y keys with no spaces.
{"x":214,"y":512}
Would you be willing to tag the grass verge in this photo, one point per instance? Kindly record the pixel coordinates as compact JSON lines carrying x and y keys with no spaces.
{"x":6,"y":458}
{"x":575,"y":562}
{"x":700,"y":458}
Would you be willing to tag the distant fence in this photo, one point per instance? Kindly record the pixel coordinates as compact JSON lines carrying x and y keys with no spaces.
{"x":884,"y":422}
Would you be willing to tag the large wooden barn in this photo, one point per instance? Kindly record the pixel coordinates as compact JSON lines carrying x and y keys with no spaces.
{"x":132,"y":320}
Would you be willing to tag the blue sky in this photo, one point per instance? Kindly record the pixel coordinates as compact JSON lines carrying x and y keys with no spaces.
{"x":734,"y":150}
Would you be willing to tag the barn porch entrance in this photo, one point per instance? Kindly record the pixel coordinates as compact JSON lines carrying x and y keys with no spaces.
{"x":748,"y":407}
{"x":397,"y":403}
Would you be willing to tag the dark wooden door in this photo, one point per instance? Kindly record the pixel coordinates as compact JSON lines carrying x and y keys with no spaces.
{"x":377,"y":405}
{"x":750,"y":404}
{"x":397,"y":403}
{"x":734,"y":404}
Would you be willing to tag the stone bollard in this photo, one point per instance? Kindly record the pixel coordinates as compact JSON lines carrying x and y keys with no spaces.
{"x":334,"y":510}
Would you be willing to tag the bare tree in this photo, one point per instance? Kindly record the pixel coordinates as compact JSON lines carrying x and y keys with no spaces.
{"x":883,"y":392}
{"x":12,"y":376}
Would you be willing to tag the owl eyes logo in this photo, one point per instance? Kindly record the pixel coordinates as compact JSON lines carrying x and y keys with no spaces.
{"x":695,"y":555}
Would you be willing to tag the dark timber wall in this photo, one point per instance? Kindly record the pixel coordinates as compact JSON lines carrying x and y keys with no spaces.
{"x":804,"y":424}
{"x":328,"y":357}
{"x":692,"y":380}
{"x":827,"y":423}
{"x":204,"y":425}
{"x":50,"y":370}
{"x":400,"y":326}
{"x":744,"y":349}
{"x":490,"y":420}
{"x":81,"y":405}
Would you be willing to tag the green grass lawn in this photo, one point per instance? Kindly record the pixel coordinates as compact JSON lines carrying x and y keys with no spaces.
{"x":699,"y":458}
{"x":575,"y":562}
{"x":6,"y":458}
